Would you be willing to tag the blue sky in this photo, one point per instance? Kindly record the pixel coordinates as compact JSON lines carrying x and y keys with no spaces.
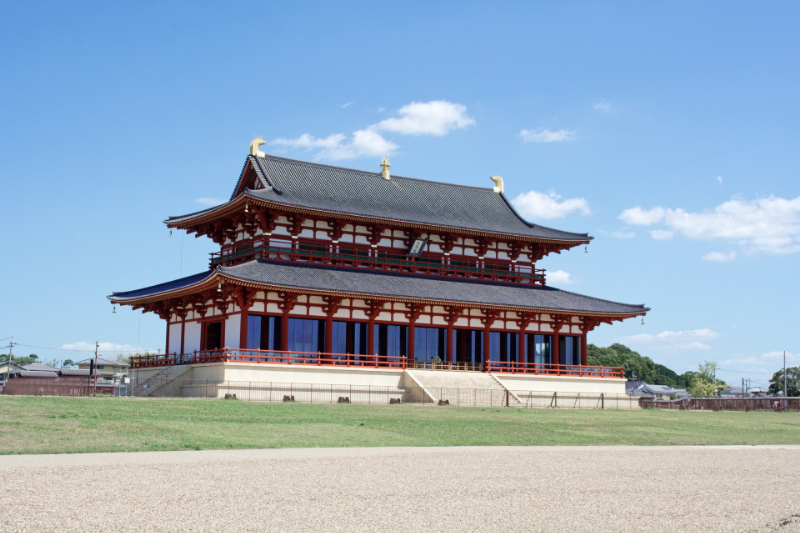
{"x":669,"y":132}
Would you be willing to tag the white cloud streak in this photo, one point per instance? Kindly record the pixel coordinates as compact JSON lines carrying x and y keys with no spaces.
{"x":559,"y":277}
{"x":544,"y":135}
{"x":661,"y":234}
{"x":438,"y":118}
{"x":770,"y":225}
{"x":105,"y":347}
{"x":605,"y":107}
{"x":209,"y":201}
{"x":623,"y":234}
{"x":674,"y":341}
{"x":719,"y":256}
{"x":538,"y":205}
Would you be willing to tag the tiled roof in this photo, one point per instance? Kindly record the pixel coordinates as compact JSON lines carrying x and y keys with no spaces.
{"x":355,"y":192}
{"x":38,"y":374}
{"x":75,"y":372}
{"x":40,"y":367}
{"x":162,"y":287}
{"x":101,"y":361}
{"x":408,"y":286}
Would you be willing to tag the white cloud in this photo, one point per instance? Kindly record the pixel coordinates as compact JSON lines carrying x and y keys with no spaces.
{"x":209,"y":201}
{"x":623,"y":234}
{"x":769,"y":225}
{"x":336,"y":147}
{"x":674,"y":341}
{"x":348,"y":104}
{"x":559,"y":277}
{"x":719,"y":256}
{"x":105,"y":347}
{"x":639,"y":217}
{"x":543,"y":135}
{"x":417,"y":118}
{"x":603,"y":106}
{"x":438,"y":117}
{"x":538,"y":205}
{"x":661,"y":235}
{"x":719,"y":179}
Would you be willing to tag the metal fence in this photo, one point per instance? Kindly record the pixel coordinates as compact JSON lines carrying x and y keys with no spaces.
{"x":724,"y":404}
{"x":55,"y":387}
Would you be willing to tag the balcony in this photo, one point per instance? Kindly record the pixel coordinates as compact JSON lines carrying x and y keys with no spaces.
{"x":359,"y":256}
{"x":338,"y":360}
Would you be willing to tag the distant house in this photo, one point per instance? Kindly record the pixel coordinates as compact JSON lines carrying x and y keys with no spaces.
{"x":40,"y":367}
{"x":111,"y":370}
{"x":758,"y":392}
{"x":632,"y":386}
{"x":661,"y":392}
{"x":9,"y":370}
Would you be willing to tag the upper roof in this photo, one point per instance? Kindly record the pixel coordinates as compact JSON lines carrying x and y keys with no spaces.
{"x":398,"y":286}
{"x":313,"y":186}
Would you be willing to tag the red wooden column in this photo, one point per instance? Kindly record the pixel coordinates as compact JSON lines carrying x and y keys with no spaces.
{"x":414,"y":310}
{"x":452,"y":316}
{"x":289,"y":301}
{"x":489,"y":316}
{"x":554,"y":358}
{"x":332,"y":305}
{"x":373,"y":312}
{"x":584,"y":351}
{"x":522,"y":323}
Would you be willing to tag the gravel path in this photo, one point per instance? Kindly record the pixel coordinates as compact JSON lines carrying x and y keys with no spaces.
{"x":504,"y":489}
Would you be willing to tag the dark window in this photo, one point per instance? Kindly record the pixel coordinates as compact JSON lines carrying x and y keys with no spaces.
{"x":503,"y":346}
{"x":429,"y":343}
{"x":539,"y":348}
{"x":306,"y":335}
{"x":263,"y":332}
{"x":391,"y":340}
{"x":213,"y":335}
{"x":569,"y":350}
{"x":468,"y":345}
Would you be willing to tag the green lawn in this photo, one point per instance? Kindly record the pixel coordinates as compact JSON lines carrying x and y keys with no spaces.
{"x":76,"y":425}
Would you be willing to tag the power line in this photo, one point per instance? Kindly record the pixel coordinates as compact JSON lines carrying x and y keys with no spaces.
{"x":74,"y":350}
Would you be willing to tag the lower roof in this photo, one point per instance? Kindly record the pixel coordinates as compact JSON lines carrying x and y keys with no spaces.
{"x":372,"y":284}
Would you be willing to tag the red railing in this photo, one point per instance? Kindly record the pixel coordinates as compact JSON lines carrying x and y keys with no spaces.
{"x":241,"y":355}
{"x":555,"y":370}
{"x":359,"y":256}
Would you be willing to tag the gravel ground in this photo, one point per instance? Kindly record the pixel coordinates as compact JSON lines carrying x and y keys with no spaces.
{"x":750,"y":489}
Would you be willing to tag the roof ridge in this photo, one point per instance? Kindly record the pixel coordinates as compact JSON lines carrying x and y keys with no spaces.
{"x":374,"y":174}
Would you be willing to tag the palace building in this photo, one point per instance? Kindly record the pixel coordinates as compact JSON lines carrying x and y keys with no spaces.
{"x":332,"y":275}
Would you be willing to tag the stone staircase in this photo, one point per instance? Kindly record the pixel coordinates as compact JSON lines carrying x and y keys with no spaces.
{"x":160,"y":379}
{"x":463,"y":388}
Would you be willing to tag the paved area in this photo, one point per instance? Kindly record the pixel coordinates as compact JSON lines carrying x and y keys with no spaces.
{"x":705,"y":489}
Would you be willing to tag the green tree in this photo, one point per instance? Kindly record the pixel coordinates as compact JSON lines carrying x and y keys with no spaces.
{"x":635,"y":365}
{"x":33,"y":357}
{"x":68,"y":363}
{"x":792,"y":382}
{"x":704,"y":382}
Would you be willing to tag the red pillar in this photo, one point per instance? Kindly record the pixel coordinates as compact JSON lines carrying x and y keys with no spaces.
{"x":329,"y":334}
{"x":584,"y":350}
{"x":522,"y":349}
{"x":183,"y":331}
{"x":554,"y":358}
{"x":448,"y":354}
{"x":371,"y":335}
{"x":285,"y":331}
{"x":243,"y":331}
{"x":487,"y":345}
{"x":166,"y":350}
{"x":410,"y":347}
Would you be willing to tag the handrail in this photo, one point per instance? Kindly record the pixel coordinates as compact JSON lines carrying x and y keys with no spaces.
{"x":555,"y":370}
{"x":224,"y":355}
{"x":359,"y":256}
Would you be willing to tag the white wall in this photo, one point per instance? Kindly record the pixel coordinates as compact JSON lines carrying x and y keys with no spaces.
{"x":521,"y":382}
{"x":174,"y":338}
{"x":191,"y":337}
{"x":232,"y":330}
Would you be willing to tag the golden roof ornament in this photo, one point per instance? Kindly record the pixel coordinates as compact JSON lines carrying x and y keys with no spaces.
{"x":385,"y":166}
{"x":498,"y":182}
{"x":254,"y":144}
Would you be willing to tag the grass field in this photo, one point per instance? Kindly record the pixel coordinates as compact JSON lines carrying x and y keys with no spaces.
{"x":76,"y":425}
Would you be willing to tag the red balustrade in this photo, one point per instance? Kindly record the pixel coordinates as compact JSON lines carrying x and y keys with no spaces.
{"x":241,"y":355}
{"x":500,"y":367}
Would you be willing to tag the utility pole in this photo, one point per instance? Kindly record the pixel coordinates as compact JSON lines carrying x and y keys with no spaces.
{"x":784,"y":375}
{"x":96,"y":348}
{"x":8,"y":370}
